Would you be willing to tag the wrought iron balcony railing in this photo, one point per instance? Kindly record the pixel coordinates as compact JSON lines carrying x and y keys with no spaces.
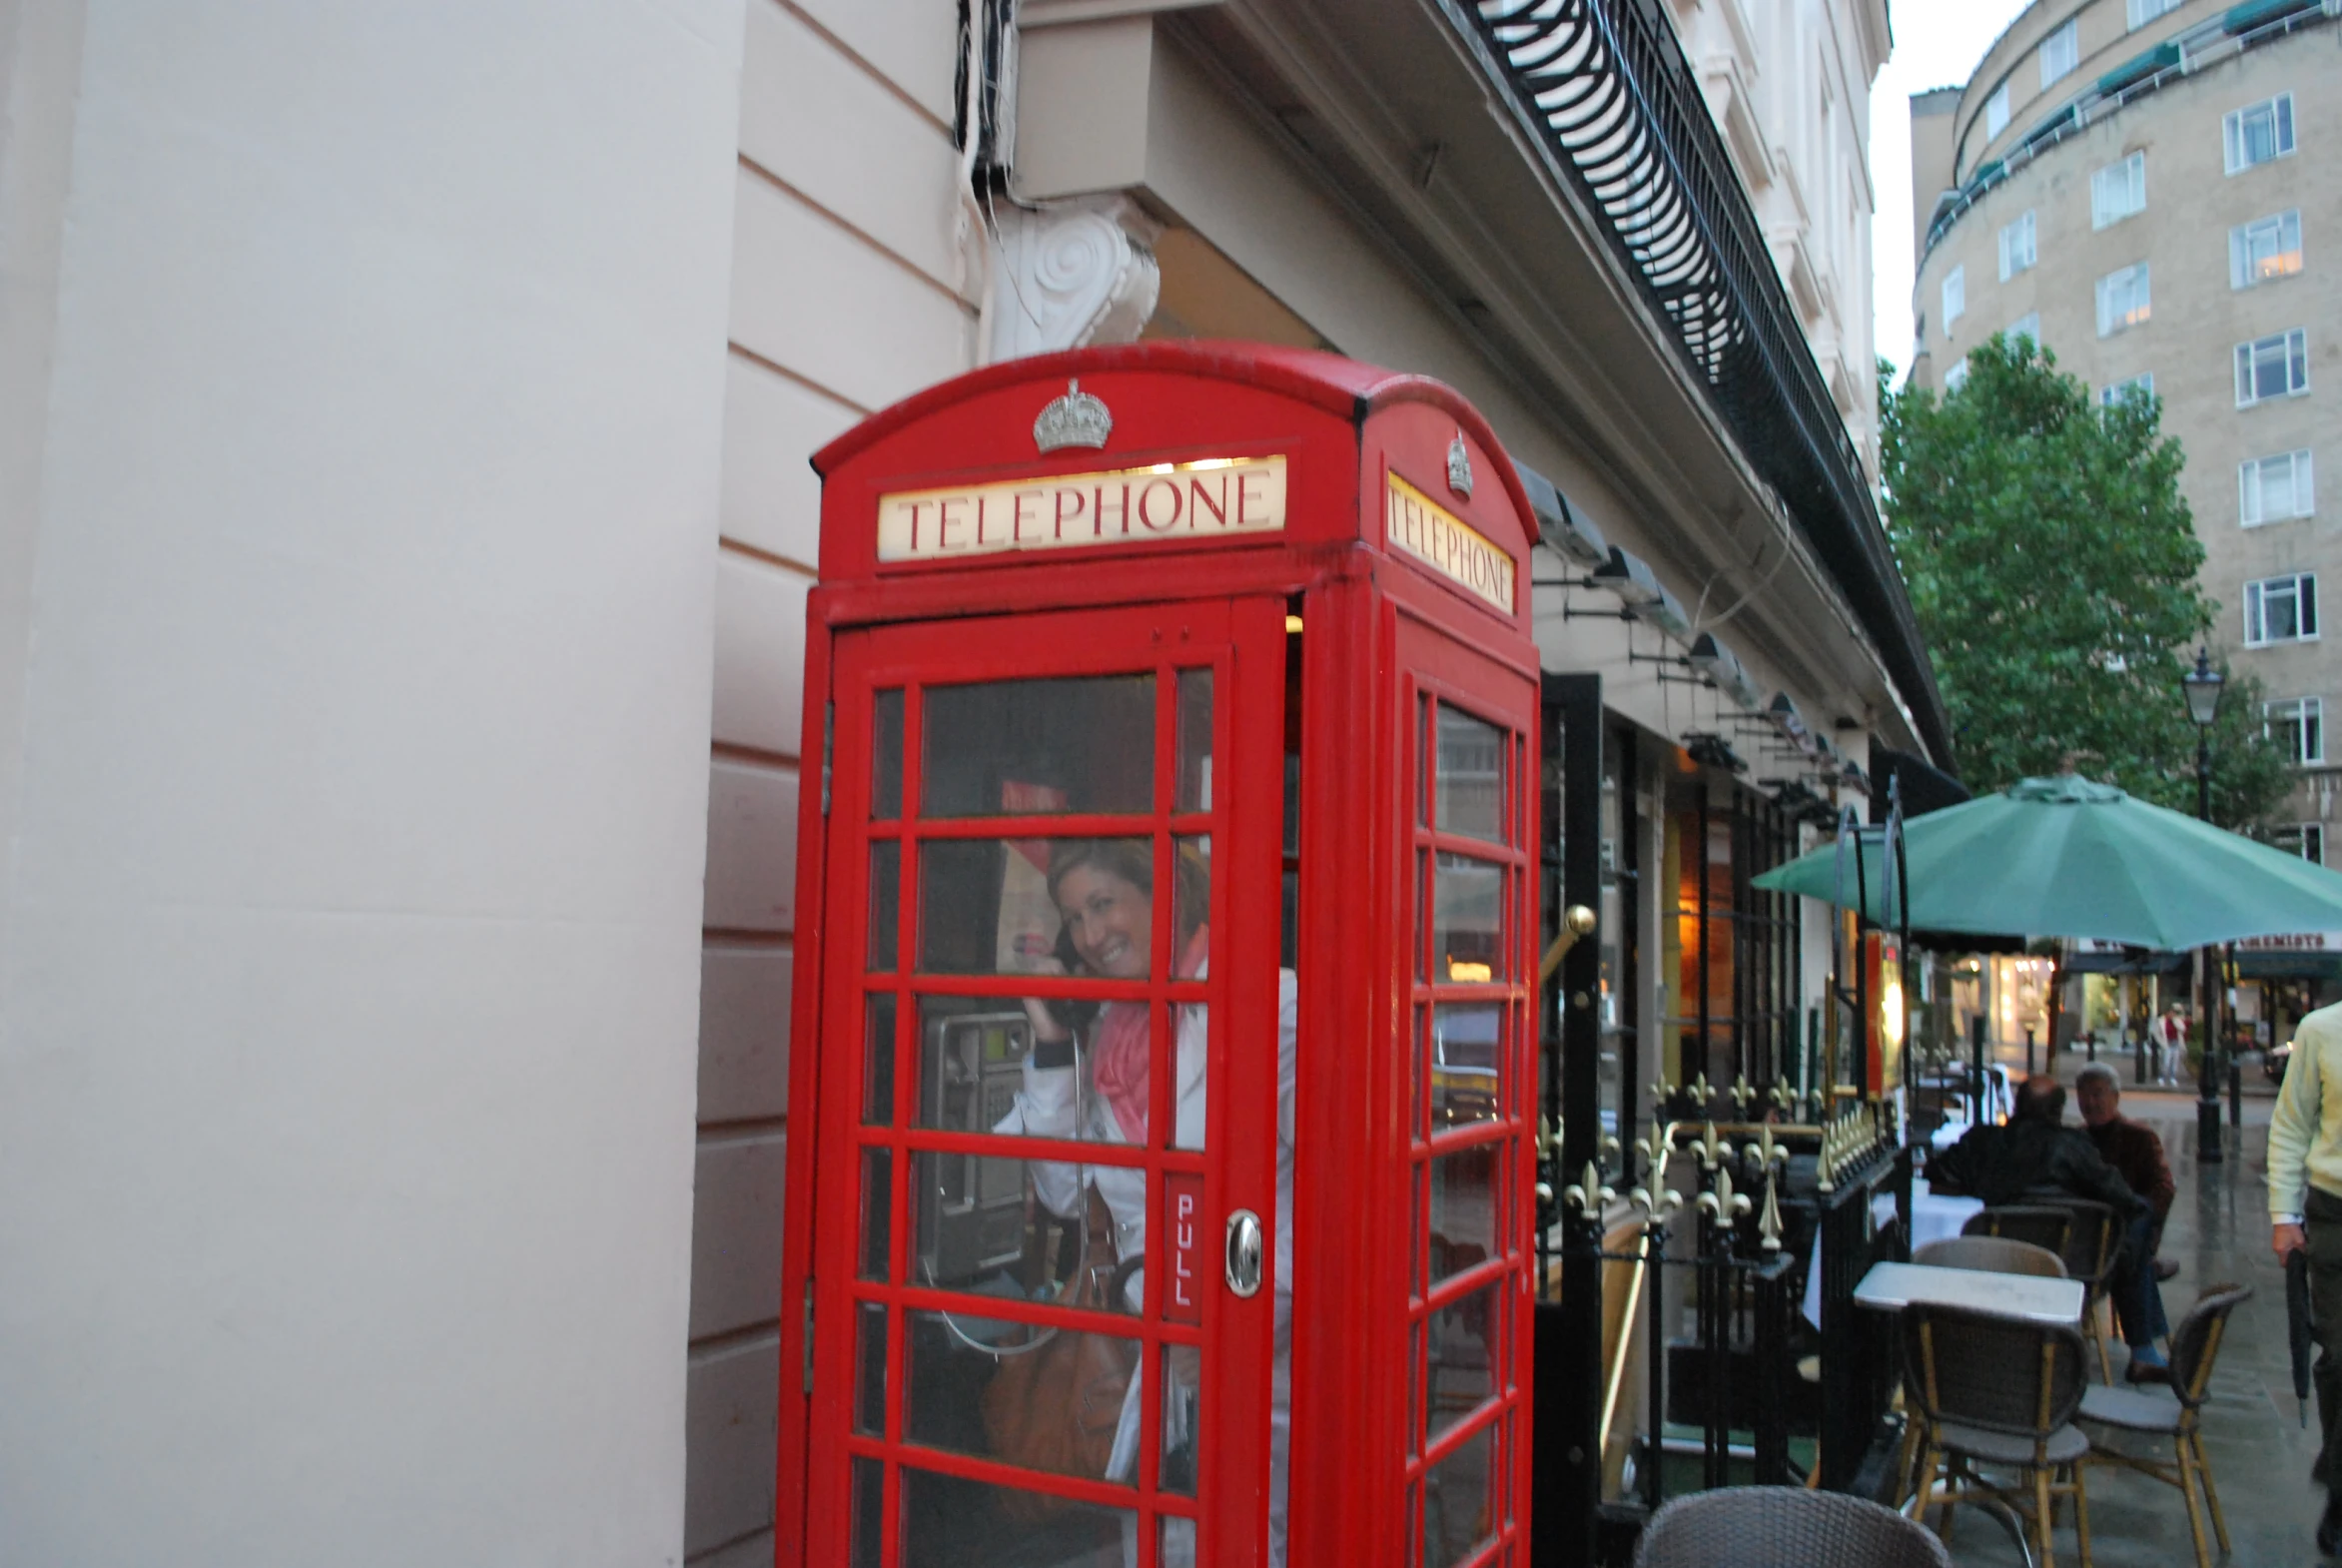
{"x":1604,"y":87}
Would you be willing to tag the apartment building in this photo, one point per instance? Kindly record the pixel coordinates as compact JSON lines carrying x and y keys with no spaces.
{"x":2139,"y":185}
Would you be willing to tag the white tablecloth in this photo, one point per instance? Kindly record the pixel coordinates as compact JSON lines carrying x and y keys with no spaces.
{"x":1932,"y":1220}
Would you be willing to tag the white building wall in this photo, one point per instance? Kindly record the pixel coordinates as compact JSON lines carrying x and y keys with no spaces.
{"x":1789,"y":84}
{"x":846,"y":295}
{"x":360,"y":385}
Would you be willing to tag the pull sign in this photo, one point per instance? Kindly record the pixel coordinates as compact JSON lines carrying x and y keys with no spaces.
{"x":1243,"y":1253}
{"x":1183,"y":1292}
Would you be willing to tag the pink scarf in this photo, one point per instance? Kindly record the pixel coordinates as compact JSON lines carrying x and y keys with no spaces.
{"x":1119,"y":1060}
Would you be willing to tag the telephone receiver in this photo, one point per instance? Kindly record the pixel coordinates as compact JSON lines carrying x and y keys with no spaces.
{"x":1076,"y":1015}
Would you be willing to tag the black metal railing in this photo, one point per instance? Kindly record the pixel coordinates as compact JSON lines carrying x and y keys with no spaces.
{"x":1604,"y":87}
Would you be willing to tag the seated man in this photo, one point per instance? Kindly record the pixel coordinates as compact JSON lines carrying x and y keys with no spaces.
{"x":2135,"y":1151}
{"x":2037,"y":1156}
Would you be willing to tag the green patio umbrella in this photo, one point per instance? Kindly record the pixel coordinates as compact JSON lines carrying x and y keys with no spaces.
{"x":2064,"y":857}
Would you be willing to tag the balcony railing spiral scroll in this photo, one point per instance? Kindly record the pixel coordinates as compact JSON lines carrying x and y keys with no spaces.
{"x":1603,"y":85}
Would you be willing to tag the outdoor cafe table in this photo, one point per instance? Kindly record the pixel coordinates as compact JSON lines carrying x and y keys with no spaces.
{"x":2030,"y":1298}
{"x":1933,"y":1217}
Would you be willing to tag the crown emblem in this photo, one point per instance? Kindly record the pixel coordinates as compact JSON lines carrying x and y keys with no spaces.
{"x":1075,"y":420}
{"x":1460,"y":466}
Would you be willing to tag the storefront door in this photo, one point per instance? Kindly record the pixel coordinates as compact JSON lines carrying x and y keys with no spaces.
{"x":1054,"y":1113}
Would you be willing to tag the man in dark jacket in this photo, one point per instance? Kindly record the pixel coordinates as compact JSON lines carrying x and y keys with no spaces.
{"x":2037,"y":1156}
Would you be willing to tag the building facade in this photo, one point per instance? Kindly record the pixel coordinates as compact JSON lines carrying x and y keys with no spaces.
{"x":2137,"y":185}
{"x":407,"y":535}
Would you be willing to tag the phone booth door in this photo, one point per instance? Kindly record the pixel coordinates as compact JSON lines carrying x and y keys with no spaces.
{"x":1043,"y":1322}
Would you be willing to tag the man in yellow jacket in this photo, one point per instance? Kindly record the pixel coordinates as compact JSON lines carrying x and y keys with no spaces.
{"x":2306,"y":1210}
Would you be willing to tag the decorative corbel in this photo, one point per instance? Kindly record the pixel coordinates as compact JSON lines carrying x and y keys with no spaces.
{"x":1069,"y":274}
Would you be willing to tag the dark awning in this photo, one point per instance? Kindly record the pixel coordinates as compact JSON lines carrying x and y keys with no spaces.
{"x":1925,"y":787}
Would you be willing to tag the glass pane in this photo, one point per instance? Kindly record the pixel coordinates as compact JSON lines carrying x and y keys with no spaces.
{"x":1179,"y":1544}
{"x":973,"y":1077}
{"x":949,"y":1523}
{"x":886,"y":756}
{"x":1053,"y":1400}
{"x":976,"y":1232}
{"x":877,"y":1210}
{"x":878,"y":1061}
{"x":870,"y":1506}
{"x":1423,"y":761}
{"x":1195,"y":787}
{"x":1192,"y":905}
{"x":1464,"y":1210}
{"x":1418,"y":1073}
{"x":1422,"y":881}
{"x":1182,"y":1398}
{"x":1461,"y":1367}
{"x":1037,"y":907}
{"x":1190,"y":1090}
{"x":1471,"y":776}
{"x":1466,"y":1063}
{"x":1021,"y":747}
{"x":870,"y":1371}
{"x":886,"y":902}
{"x":1460,"y":1496}
{"x":1467,"y":920}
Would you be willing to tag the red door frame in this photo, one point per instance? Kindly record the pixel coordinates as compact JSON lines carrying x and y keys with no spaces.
{"x":1241,"y":643}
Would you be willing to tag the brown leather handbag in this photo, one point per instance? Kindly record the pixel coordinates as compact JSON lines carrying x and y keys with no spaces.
{"x":1055,"y":1408}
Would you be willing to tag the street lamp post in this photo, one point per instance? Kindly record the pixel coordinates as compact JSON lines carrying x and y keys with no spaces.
{"x":2202,"y":686}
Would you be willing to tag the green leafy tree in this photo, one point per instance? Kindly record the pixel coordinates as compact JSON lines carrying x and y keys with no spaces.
{"x":2053,"y":565}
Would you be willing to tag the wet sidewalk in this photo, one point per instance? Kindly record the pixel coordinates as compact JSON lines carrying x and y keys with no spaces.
{"x":2260,"y":1454}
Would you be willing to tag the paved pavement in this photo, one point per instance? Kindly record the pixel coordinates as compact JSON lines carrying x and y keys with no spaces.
{"x":2260,"y":1455}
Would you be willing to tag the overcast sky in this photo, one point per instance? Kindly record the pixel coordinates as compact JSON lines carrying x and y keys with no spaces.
{"x":1936,"y":44}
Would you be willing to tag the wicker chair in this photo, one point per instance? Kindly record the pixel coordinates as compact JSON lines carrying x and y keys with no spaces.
{"x":2091,"y":1247}
{"x":2003,"y":1392}
{"x":1991,"y":1255}
{"x":1783,"y":1527}
{"x":2196,"y":1344}
{"x":2044,"y":1225}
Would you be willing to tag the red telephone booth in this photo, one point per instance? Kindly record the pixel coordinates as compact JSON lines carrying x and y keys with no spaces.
{"x":1164,"y":1081}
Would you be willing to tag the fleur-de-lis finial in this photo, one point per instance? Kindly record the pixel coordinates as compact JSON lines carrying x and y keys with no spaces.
{"x":1713,"y":1151}
{"x":1741,"y":1093}
{"x":1769,"y":1222}
{"x":1587,"y":1195}
{"x":1720,"y":1203}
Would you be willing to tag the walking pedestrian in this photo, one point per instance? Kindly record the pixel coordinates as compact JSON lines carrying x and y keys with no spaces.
{"x":2168,"y":1037}
{"x":2305,"y":1213}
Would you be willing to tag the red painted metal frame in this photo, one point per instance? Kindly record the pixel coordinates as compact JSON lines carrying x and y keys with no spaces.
{"x":1379,"y":626}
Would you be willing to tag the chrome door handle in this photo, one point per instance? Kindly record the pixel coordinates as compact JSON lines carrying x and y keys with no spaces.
{"x":1243,"y":1253}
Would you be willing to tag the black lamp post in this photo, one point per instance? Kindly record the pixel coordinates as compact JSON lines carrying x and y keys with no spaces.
{"x":2202,"y":685}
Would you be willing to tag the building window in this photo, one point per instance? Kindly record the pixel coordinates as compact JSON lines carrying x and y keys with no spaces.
{"x":2264,"y":248}
{"x":2028,"y":327}
{"x":2308,"y":840}
{"x":1996,"y":111}
{"x":2281,"y":609}
{"x":1955,"y":377}
{"x":2119,"y":190}
{"x":2298,"y":726}
{"x":2258,"y":132}
{"x":2144,"y":11}
{"x":2141,"y":384}
{"x":2017,"y":247}
{"x":2271,"y":489}
{"x":2122,"y":299}
{"x":2060,"y":52}
{"x":2275,"y":367}
{"x":1954,"y":295}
